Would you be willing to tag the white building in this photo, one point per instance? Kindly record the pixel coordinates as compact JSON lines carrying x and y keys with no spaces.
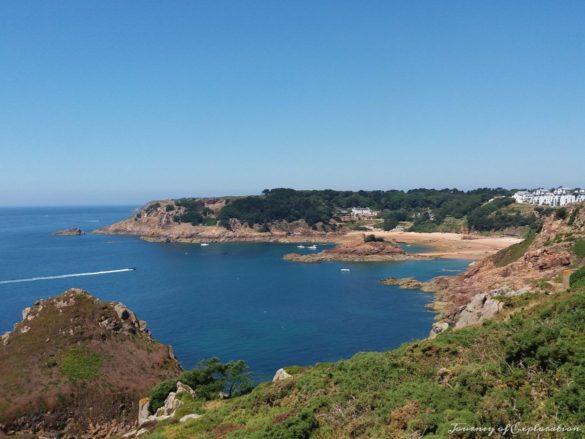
{"x":363,"y":212}
{"x":558,"y":197}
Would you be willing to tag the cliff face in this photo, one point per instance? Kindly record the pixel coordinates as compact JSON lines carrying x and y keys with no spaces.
{"x":520,"y":267}
{"x":77,"y":366}
{"x":157,"y":222}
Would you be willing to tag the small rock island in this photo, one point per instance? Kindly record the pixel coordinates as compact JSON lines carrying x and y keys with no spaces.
{"x":74,"y":231}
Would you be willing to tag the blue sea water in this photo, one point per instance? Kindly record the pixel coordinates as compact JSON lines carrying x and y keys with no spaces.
{"x":233,"y":301}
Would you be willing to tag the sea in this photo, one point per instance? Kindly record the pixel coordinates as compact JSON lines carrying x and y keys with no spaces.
{"x":231,"y":301}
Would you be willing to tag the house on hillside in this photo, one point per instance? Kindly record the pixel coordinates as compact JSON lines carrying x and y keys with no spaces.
{"x":363,"y":212}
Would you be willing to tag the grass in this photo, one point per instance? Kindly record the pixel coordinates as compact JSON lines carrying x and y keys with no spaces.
{"x":514,"y":252}
{"x":579,"y":248}
{"x":78,"y":364}
{"x":526,"y":368}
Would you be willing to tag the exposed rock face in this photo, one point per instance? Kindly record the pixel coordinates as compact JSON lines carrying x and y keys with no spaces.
{"x":281,"y":375}
{"x":482,"y":307}
{"x":156,"y":222}
{"x":87,"y":364}
{"x":172,"y":403}
{"x":75,"y":231}
{"x":189,"y":417}
{"x":148,"y":422}
{"x":437,"y":328}
{"x":545,"y":258}
{"x":357,"y":251}
{"x":143,"y":410}
{"x":184,"y":388}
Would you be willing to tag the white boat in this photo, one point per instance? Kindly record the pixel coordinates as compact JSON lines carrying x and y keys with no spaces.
{"x":300,"y":246}
{"x":345,"y":269}
{"x":312,"y":247}
{"x":204,"y":244}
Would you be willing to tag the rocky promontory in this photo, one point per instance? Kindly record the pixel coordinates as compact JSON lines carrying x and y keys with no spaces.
{"x":75,"y":366}
{"x":356,"y":250}
{"x":163,"y":221}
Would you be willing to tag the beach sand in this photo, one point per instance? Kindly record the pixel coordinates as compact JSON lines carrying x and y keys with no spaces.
{"x":447,"y":245}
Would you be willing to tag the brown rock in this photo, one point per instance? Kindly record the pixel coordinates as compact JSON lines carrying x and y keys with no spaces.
{"x":75,"y":231}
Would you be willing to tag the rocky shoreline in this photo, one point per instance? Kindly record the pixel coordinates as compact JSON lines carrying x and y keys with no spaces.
{"x":479,"y":293}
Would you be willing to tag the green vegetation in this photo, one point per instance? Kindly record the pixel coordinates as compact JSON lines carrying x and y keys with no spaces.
{"x":278,"y":205}
{"x":525,"y":369}
{"x":78,"y":364}
{"x":208,"y":379}
{"x":514,"y":252}
{"x":152,"y":207}
{"x":428,"y":209}
{"x":194,"y":212}
{"x":373,"y":238}
{"x":574,"y":215}
{"x":577,"y":279}
{"x":561,"y":213}
{"x":490,"y":216}
{"x":579,"y":248}
{"x":393,"y":218}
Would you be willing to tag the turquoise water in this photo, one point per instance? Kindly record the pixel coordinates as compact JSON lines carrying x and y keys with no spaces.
{"x":234,"y":301}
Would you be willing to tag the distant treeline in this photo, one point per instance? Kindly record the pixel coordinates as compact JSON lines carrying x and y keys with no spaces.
{"x":427,"y":209}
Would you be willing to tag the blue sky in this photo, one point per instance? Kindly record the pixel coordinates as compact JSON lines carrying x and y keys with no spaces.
{"x":109,"y":102}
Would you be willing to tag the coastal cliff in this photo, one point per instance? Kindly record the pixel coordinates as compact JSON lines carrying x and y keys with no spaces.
{"x":77,"y":366}
{"x":163,"y":221}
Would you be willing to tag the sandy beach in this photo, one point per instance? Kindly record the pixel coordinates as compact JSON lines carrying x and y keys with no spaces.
{"x":447,"y":245}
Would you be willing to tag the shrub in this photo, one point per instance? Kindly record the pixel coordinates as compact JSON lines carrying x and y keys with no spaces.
{"x":561,"y":213}
{"x":574,"y":215}
{"x":297,"y":427}
{"x":372,"y":238}
{"x":579,"y":248}
{"x":208,"y":379}
{"x":160,"y":392}
{"x":577,"y":279}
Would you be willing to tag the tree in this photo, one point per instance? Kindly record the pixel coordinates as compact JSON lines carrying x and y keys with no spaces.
{"x":207,"y":379}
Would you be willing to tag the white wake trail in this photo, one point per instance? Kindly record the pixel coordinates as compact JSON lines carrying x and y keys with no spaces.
{"x":64,"y":276}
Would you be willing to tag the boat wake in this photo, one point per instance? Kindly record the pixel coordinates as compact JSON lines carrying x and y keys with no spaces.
{"x":65,"y":276}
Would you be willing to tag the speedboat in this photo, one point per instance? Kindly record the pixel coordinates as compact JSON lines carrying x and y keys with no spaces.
{"x":204,"y":244}
{"x":312,"y":247}
{"x":344,"y":269}
{"x":300,"y":246}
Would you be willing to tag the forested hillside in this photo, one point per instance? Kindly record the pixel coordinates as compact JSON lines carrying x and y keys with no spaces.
{"x":426,"y":209}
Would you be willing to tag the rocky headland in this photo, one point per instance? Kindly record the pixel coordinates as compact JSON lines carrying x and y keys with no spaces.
{"x":158,"y":222}
{"x":76,"y":367}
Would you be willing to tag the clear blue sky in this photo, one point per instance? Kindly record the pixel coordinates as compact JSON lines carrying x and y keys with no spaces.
{"x":109,"y":102}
